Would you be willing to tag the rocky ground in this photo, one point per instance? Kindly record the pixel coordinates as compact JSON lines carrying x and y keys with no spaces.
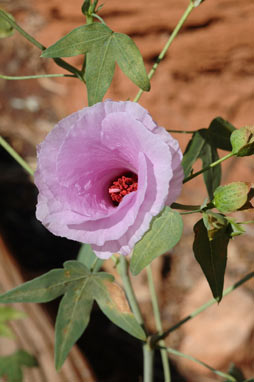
{"x":208,"y":72}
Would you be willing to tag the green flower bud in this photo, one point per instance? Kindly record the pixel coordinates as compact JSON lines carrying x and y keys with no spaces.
{"x":242,"y":141}
{"x":231,"y":197}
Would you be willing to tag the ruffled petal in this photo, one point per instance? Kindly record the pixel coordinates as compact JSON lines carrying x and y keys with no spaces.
{"x":80,"y":158}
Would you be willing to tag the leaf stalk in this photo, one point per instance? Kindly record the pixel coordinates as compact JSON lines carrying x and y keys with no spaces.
{"x":211,"y":165}
{"x":189,"y":357}
{"x":157,"y":317}
{"x":4,"y":77}
{"x":122,"y":268}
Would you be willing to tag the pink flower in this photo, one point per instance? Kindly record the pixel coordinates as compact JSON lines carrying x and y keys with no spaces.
{"x":103,"y":173}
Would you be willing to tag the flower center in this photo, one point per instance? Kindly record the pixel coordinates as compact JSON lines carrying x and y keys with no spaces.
{"x":122,"y":186}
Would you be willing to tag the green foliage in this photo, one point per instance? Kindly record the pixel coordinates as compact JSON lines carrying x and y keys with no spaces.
{"x":196,"y":3}
{"x":219,"y":132}
{"x":80,"y":288}
{"x":103,"y":48}
{"x":236,"y":372}
{"x":204,"y":145}
{"x":112,"y":301}
{"x":210,"y":250}
{"x":201,"y":146}
{"x":11,"y":365}
{"x":208,"y":155}
{"x":89,"y":7}
{"x":42,"y":289}
{"x":72,"y":319}
{"x":6,"y":29}
{"x":87,"y":257}
{"x":85,"y":6}
{"x":236,"y":228}
{"x":7,"y":314}
{"x":165,"y":232}
{"x":231,"y":197}
{"x":213,"y":223}
{"x":242,"y":141}
{"x":192,"y":152}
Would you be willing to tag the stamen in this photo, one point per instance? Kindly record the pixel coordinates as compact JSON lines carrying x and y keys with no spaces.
{"x":122,"y":186}
{"x":112,"y":190}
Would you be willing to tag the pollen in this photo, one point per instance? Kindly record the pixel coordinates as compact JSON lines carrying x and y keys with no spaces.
{"x":123,"y":185}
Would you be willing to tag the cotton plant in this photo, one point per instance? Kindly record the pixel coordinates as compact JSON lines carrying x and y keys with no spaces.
{"x":109,"y":177}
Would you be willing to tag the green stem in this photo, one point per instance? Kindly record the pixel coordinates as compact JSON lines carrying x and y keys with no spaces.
{"x":247,"y":222}
{"x":58,"y":61}
{"x":35,"y":76}
{"x":211,"y":165}
{"x":182,"y":131}
{"x":94,"y":264}
{"x":99,"y":18}
{"x":186,"y":207}
{"x":148,"y":354}
{"x":156,"y":312}
{"x":217,"y":372}
{"x":122,"y":268}
{"x":167,"y":45}
{"x":89,"y":18}
{"x":16,"y":156}
{"x":203,"y":307}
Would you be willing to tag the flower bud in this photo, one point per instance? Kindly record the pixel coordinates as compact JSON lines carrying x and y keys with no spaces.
{"x":242,"y":141}
{"x":231,"y":197}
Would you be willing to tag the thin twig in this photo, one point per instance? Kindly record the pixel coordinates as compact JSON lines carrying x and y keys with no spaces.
{"x":204,"y":307}
{"x":167,"y":45}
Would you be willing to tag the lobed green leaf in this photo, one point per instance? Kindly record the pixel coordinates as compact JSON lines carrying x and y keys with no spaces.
{"x":130,"y":60}
{"x":112,"y":301}
{"x":48,"y":286}
{"x":103,"y":48}
{"x":165,"y":232}
{"x":72,"y":319}
{"x":75,"y":308}
{"x":87,"y":257}
{"x":42,"y":289}
{"x":79,"y":41}
{"x":100,"y":67}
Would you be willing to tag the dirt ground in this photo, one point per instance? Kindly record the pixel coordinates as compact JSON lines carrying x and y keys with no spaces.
{"x":208,"y":72}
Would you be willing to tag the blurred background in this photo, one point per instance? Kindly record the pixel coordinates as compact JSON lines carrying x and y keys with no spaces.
{"x":208,"y":72}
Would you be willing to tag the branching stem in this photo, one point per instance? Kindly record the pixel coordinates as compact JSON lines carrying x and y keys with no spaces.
{"x":204,"y":307}
{"x":167,"y":45}
{"x":58,"y":61}
{"x":4,"y":77}
{"x":211,"y":165}
{"x":217,"y":372}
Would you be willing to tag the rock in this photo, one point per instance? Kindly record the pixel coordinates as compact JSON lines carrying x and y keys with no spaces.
{"x":220,"y":335}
